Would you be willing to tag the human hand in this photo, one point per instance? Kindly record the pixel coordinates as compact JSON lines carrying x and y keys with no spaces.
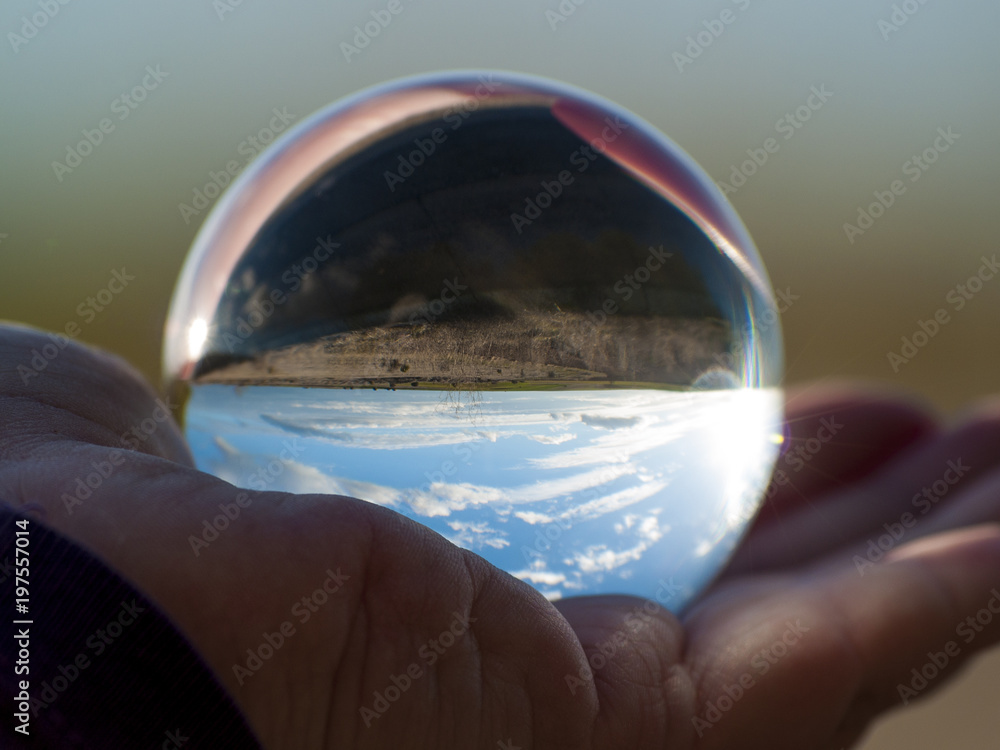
{"x":835,"y":643}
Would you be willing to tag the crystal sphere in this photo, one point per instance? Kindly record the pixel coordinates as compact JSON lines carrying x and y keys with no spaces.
{"x":503,"y":307}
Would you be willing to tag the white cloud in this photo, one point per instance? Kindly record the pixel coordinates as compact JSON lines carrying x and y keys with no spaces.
{"x":545,"y":577}
{"x":615,"y":502}
{"x":609,"y":423}
{"x":553,"y":439}
{"x":477,"y":535}
{"x":443,"y":499}
{"x":362,"y":436}
{"x":599,"y":558}
{"x":570,"y":485}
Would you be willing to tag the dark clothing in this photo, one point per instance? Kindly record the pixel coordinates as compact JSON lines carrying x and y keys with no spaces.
{"x":105,"y":668}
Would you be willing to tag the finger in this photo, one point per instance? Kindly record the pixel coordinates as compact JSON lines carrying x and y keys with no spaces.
{"x":977,"y":504}
{"x":928,"y":475}
{"x":632,"y":648}
{"x":74,"y":392}
{"x":836,"y":435}
{"x":794,"y":661}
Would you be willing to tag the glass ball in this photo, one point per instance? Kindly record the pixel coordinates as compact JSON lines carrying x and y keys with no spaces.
{"x":503,"y":307}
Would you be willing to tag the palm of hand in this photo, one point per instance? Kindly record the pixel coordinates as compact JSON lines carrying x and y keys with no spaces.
{"x":799,"y":644}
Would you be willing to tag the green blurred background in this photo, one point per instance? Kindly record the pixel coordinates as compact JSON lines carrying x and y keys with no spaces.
{"x":228,"y":65}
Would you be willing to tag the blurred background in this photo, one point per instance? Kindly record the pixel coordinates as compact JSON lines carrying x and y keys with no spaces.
{"x":719,"y":77}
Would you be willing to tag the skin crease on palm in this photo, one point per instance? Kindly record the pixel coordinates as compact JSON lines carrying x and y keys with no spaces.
{"x":505,"y":680}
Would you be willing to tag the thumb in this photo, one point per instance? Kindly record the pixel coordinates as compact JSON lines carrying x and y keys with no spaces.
{"x":77,"y":393}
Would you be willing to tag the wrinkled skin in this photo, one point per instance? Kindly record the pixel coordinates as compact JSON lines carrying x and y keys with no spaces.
{"x":505,"y":680}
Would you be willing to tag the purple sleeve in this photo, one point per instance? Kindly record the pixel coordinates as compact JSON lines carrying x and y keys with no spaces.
{"x":105,"y":668}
